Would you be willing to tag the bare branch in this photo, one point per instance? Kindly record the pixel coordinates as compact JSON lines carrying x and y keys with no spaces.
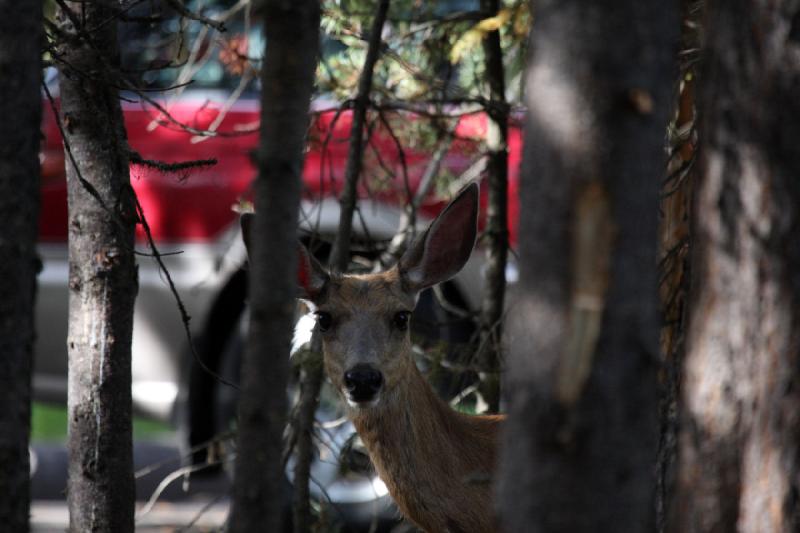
{"x":136,"y":157}
{"x":189,"y":14}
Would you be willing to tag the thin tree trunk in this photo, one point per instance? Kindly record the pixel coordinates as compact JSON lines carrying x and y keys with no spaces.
{"x":102,"y":274}
{"x":739,"y":443}
{"x":312,"y":371}
{"x":580,"y":445}
{"x":20,"y":53}
{"x":311,"y":375}
{"x":490,"y":353}
{"x":292,"y":31}
{"x":674,"y":230}
{"x":340,"y":253}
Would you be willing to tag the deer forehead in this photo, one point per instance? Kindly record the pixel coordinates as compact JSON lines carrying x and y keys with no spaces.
{"x":367,"y":293}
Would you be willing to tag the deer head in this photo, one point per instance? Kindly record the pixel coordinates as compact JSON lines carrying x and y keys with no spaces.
{"x":364,"y":319}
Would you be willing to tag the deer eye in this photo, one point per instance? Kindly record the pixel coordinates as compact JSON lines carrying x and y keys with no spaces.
{"x":400,"y":320}
{"x":324,"y":321}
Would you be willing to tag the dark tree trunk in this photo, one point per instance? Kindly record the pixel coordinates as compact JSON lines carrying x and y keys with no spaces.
{"x":102,"y":274}
{"x":580,"y":445}
{"x":496,"y":232}
{"x":739,"y":444}
{"x":311,"y":374}
{"x":292,"y":30}
{"x":20,"y":76}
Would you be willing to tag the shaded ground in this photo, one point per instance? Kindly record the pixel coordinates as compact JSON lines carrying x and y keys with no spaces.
{"x":200,"y":505}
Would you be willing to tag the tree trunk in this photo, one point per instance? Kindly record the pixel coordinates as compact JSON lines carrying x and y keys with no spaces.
{"x":292,"y":31}
{"x":20,"y":65}
{"x":311,"y":374}
{"x":102,"y":274}
{"x":739,"y":444}
{"x":580,"y":445}
{"x":490,"y":351}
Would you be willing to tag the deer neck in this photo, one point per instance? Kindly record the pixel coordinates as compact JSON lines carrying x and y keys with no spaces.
{"x":426,"y":452}
{"x":411,"y":418}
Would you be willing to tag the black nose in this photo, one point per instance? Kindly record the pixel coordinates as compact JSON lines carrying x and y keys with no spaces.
{"x":362,"y":382}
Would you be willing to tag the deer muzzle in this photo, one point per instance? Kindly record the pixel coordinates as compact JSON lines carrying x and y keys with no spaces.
{"x":363,"y":383}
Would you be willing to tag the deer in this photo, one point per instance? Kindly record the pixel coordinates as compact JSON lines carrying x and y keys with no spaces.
{"x":437,"y":463}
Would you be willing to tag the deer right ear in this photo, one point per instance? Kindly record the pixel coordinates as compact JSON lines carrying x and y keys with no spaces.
{"x":311,"y":276}
{"x":445,"y":247}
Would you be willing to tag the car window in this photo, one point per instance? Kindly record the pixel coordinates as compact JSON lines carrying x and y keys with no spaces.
{"x":161,"y":49}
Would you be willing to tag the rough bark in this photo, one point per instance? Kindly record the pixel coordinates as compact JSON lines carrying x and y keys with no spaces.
{"x":292,"y":31}
{"x":312,"y":369}
{"x":739,"y":459}
{"x":102,"y":274}
{"x":580,"y":446}
{"x":20,"y":76}
{"x":495,"y":236}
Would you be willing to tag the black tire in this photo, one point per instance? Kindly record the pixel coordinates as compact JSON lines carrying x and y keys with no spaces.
{"x":433,"y":325}
{"x":204,"y":399}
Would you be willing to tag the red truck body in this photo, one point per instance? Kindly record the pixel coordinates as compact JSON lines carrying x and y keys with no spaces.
{"x":195,"y":205}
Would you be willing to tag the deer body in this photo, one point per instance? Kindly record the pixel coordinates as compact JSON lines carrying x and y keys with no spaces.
{"x":437,"y":463}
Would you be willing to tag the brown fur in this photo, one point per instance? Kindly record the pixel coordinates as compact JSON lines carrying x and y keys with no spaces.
{"x":437,"y":463}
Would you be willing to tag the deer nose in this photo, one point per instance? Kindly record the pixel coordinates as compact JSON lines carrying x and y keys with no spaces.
{"x":363,"y":383}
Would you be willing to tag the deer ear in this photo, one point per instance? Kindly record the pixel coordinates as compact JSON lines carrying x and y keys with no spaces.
{"x":246,"y":223}
{"x":439,"y":253}
{"x":311,"y":276}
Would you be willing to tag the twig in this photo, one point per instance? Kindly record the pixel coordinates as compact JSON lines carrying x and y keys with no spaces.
{"x":203,"y":510}
{"x":86,"y":185}
{"x":185,"y":318}
{"x":186,"y":12}
{"x":176,"y":474}
{"x":119,"y":12}
{"x":152,"y":467}
{"x":401,"y":153}
{"x":408,"y":220}
{"x":223,"y":112}
{"x":136,"y":157}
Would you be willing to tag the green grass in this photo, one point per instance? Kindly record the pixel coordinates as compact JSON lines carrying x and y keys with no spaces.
{"x":49,"y":423}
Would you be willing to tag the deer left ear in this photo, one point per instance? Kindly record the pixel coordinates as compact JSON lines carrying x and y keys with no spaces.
{"x":246,"y":224}
{"x":445,"y":247}
{"x":311,"y":276}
